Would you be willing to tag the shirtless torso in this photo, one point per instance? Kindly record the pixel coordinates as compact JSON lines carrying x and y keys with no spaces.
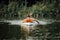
{"x":28,"y":20}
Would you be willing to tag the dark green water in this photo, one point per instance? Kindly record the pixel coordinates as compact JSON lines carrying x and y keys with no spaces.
{"x":44,"y":32}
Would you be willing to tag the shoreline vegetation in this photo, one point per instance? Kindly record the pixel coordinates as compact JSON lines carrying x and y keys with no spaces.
{"x":40,"y":9}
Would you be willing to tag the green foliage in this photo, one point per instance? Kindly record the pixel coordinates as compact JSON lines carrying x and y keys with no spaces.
{"x":40,"y":9}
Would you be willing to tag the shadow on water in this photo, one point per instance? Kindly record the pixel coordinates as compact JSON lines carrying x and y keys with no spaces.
{"x":9,"y":31}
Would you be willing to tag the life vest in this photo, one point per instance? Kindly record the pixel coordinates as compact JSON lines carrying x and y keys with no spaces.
{"x":28,"y":20}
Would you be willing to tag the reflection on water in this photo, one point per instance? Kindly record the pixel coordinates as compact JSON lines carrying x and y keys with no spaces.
{"x":12,"y":31}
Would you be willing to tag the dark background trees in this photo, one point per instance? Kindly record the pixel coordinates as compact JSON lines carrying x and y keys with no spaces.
{"x":49,"y":8}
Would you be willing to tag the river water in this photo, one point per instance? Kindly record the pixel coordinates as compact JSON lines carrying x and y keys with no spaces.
{"x":17,"y":22}
{"x":42,"y":21}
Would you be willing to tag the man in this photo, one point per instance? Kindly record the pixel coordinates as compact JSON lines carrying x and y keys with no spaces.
{"x":29,"y":18}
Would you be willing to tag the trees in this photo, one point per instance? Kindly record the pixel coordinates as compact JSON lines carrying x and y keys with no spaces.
{"x":44,"y":8}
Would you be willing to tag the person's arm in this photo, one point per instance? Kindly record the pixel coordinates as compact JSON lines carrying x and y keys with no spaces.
{"x":36,"y":20}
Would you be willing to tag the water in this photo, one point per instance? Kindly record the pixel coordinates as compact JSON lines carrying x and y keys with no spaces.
{"x":18,"y":22}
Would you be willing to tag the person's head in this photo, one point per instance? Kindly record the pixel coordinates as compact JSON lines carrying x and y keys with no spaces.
{"x":29,"y":15}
